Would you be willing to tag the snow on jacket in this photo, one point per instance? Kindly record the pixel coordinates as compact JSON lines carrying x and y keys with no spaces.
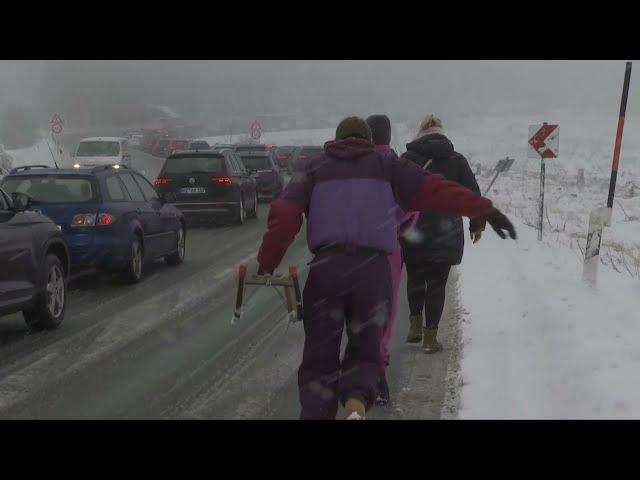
{"x":440,"y":238}
{"x":350,"y":196}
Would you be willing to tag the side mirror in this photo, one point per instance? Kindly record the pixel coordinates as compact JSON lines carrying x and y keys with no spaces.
{"x":21,"y":201}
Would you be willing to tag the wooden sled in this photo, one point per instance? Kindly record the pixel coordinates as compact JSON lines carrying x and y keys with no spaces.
{"x":289,"y":283}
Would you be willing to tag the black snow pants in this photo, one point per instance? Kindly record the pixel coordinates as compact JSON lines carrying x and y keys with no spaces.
{"x":426,"y":284}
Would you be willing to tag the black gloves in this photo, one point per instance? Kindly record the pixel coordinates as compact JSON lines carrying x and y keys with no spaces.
{"x":500,"y":223}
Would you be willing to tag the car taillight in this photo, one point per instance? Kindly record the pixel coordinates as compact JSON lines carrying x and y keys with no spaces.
{"x":84,"y":220}
{"x":281,"y":157}
{"x":226,"y":180}
{"x":105,"y":219}
{"x":91,"y":219}
{"x":163,"y":181}
{"x":303,"y":157}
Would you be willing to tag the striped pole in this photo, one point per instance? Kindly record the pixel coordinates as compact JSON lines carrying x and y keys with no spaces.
{"x":616,"y":150}
{"x":600,"y":217}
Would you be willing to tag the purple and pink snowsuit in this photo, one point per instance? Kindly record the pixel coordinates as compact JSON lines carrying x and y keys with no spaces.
{"x":405,"y":221}
{"x":350,"y":197}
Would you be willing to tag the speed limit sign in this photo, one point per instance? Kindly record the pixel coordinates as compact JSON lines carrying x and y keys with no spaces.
{"x":56,"y":124}
{"x":256,"y":130}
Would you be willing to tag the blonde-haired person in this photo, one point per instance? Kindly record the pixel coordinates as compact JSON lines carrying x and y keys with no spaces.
{"x":439,"y":243}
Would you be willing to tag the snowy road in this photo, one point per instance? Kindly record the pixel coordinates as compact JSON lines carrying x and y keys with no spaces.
{"x":165,"y":348}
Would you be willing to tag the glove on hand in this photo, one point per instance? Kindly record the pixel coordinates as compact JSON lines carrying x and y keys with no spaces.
{"x":500,"y":223}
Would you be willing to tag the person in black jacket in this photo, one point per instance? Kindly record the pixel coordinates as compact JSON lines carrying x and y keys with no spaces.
{"x":437,"y":242}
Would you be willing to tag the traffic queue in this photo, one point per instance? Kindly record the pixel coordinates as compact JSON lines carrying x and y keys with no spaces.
{"x":103,"y":215}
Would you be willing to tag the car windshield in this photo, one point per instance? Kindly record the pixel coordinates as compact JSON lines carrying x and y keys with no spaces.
{"x":256,"y":162}
{"x":98,"y":148}
{"x":53,"y":189}
{"x":191,"y":164}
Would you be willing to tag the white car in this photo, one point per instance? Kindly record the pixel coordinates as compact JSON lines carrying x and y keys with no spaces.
{"x":96,"y":151}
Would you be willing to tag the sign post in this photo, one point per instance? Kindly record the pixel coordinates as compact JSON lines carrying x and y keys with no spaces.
{"x":57,"y":125}
{"x":544,"y":142}
{"x":256,"y":130}
{"x":601,"y":216}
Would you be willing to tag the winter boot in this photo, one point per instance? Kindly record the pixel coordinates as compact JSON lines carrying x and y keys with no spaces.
{"x":430,"y":343}
{"x":415,"y":330}
{"x":383,"y":396}
{"x":354,"y":408}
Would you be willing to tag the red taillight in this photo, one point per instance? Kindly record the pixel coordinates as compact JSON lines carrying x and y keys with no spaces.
{"x":303,"y":157}
{"x":105,"y":219}
{"x":163,"y":181}
{"x":226,"y":180}
{"x":281,"y":157}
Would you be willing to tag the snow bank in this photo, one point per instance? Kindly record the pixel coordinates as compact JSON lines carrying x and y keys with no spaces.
{"x":538,"y":342}
{"x":37,"y":154}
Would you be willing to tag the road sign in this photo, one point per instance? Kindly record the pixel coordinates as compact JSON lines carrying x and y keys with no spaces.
{"x":544,"y":141}
{"x":256,"y":130}
{"x":503,"y":166}
{"x":57,"y":125}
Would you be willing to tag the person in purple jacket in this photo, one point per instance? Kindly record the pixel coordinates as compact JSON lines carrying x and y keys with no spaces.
{"x":349,"y":197}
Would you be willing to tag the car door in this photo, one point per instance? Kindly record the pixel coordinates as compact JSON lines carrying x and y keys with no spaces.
{"x":16,"y":256}
{"x":165,"y":236}
{"x":149,"y":217}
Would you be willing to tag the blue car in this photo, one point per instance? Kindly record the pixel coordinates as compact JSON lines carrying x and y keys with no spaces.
{"x":111,"y":216}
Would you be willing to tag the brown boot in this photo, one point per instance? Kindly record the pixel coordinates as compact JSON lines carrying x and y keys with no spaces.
{"x":415,"y":329}
{"x":354,"y":409}
{"x":430,"y":343}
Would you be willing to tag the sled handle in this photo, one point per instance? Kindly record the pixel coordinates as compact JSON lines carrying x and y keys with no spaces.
{"x":293,"y":273}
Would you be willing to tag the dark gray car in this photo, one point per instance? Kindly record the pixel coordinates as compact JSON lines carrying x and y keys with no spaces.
{"x":35,"y":263}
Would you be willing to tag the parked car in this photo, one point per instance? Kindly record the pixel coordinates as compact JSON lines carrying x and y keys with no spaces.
{"x":302,"y":155}
{"x":209,"y":185}
{"x":283,"y":154}
{"x":35,"y":263}
{"x":99,"y":151}
{"x":112,"y":217}
{"x":198,"y":145}
{"x":269,"y":179}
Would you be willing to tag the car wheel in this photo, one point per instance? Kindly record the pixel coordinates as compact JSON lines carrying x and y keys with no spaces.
{"x":177,"y":257}
{"x":50,"y":306}
{"x":133,"y":271}
{"x":241,"y":216}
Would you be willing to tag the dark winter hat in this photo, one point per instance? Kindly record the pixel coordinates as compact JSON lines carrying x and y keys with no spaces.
{"x":380,"y":126}
{"x":353,"y":127}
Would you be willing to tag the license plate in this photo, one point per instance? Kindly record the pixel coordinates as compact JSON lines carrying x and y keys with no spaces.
{"x":193,"y":190}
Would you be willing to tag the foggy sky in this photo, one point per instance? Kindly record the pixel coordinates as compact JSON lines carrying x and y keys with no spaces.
{"x":208,"y":89}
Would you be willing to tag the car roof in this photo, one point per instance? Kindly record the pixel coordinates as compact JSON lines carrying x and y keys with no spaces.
{"x":188,"y":153}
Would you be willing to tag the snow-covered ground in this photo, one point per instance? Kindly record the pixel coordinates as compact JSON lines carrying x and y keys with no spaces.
{"x":539,"y":343}
{"x":41,"y":153}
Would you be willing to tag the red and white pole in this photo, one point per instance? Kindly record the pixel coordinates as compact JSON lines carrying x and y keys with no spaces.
{"x":601,"y":217}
